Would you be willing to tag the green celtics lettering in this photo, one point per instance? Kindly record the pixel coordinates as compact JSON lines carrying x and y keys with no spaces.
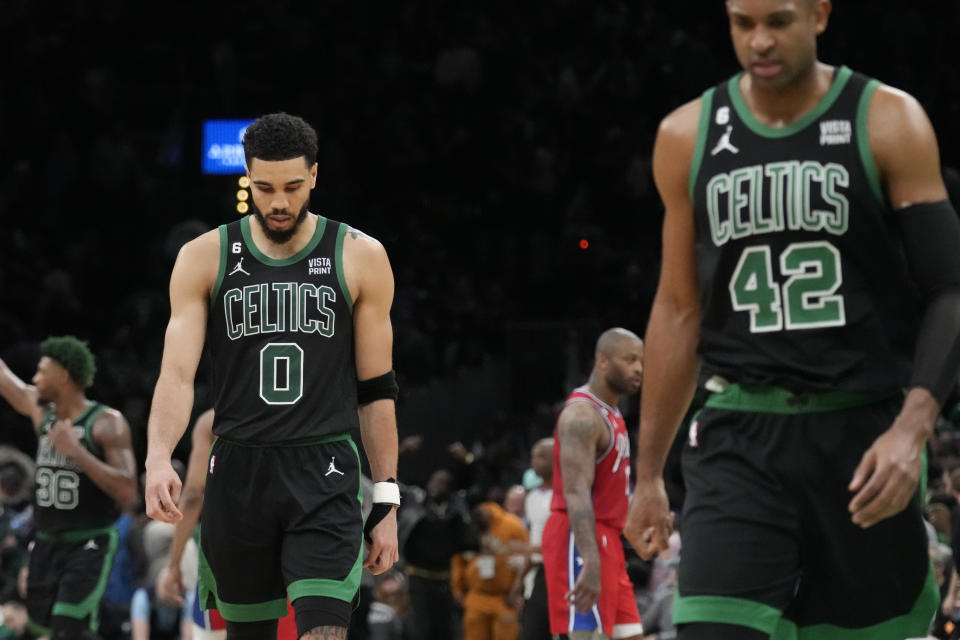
{"x":735,"y":200}
{"x":277,"y":307}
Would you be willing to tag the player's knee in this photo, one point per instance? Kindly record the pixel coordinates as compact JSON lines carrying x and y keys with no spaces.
{"x":719,"y":631}
{"x":259,"y":630}
{"x":319,"y":611}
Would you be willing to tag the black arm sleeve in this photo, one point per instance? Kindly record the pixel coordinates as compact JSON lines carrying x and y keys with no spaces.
{"x":931,"y":240}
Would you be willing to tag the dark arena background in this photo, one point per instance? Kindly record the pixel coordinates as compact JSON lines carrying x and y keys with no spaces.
{"x":499,"y":150}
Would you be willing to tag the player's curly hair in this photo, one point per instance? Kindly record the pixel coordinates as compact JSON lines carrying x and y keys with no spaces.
{"x":280,"y":136}
{"x":73,"y":355}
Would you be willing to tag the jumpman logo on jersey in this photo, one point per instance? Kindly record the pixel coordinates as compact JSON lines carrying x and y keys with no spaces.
{"x":332,"y":468}
{"x":91,"y":545}
{"x":724,"y":144}
{"x":239,"y":268}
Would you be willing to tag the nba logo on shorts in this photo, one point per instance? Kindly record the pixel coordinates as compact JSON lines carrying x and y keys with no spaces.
{"x":693,"y":437}
{"x":213,"y":460}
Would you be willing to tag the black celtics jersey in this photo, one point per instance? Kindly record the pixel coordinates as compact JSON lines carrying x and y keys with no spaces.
{"x":280,"y":339}
{"x":65,"y":497}
{"x":803,"y":281}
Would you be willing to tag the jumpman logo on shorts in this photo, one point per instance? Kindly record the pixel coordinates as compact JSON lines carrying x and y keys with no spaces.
{"x":724,"y":144}
{"x":239,"y":268}
{"x":332,"y":468}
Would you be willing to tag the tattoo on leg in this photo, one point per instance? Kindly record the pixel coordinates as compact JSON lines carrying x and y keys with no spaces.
{"x":325,"y":633}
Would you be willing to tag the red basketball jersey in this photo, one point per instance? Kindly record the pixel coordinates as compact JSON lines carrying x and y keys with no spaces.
{"x":611,"y":479}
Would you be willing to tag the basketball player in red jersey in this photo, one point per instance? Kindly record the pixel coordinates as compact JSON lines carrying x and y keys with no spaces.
{"x":588,"y":591}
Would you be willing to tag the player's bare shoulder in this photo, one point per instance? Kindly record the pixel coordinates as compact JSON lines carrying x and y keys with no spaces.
{"x":683,"y":121}
{"x":111,"y":427}
{"x":677,"y":135}
{"x":897,"y":122}
{"x":365,"y":263}
{"x":198,"y":262}
{"x":205,"y":247}
{"x":579,"y":420}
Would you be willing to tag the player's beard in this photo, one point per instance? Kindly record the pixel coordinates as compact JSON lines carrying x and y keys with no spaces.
{"x":280,"y":236}
{"x":620,"y":383}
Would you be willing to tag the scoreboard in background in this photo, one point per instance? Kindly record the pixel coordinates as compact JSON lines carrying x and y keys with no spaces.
{"x":222,"y":146}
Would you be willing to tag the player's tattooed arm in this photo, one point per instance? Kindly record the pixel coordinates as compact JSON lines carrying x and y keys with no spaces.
{"x":578,"y":431}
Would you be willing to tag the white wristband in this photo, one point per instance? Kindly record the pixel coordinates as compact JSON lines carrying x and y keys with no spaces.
{"x":387,"y":493}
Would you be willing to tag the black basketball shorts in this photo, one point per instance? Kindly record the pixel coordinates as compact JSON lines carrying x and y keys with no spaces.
{"x":68,"y":574}
{"x":278,"y":522}
{"x":767,"y":540}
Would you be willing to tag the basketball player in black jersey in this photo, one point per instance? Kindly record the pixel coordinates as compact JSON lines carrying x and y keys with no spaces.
{"x":86,"y":470}
{"x":294,"y":309}
{"x":811,"y":266}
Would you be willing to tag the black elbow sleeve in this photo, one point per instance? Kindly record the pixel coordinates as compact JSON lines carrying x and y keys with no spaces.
{"x":931,"y":240}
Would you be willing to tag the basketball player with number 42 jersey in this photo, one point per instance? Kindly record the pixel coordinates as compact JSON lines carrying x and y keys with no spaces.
{"x":811,"y":264}
{"x":294,"y":310}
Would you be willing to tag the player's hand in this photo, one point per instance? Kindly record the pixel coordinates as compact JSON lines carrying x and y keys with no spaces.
{"x":384,"y":549}
{"x":888,"y":473}
{"x":170,"y":584}
{"x":649,"y":520}
{"x":64,"y":439}
{"x":586,"y":590}
{"x":162,"y":492}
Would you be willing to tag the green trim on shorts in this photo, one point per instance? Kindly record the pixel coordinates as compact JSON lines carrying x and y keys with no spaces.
{"x":38,"y":629}
{"x":913,"y":624}
{"x":727,"y":610}
{"x":300,"y":442}
{"x":269,"y":610}
{"x":345,"y":589}
{"x":353,"y":445}
{"x":769,"y":399}
{"x":206,"y":583}
{"x":90,"y":606}
{"x":767,"y":619}
{"x":75,"y":535}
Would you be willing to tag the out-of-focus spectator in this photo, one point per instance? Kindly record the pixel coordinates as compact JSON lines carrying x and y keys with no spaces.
{"x":483,"y":581}
{"x":535,"y":616}
{"x":513,"y":501}
{"x":389,"y":612}
{"x":433,"y":527}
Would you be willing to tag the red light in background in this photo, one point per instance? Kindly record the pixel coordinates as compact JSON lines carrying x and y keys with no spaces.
{"x":584,"y":243}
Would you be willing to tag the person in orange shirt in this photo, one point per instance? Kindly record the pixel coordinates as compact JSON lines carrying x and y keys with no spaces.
{"x":485,"y":582}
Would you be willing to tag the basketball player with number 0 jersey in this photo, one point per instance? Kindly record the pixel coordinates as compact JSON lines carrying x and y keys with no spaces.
{"x":294,"y":310}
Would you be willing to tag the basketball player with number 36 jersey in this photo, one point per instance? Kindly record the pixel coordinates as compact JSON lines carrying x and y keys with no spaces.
{"x":85,"y":471}
{"x":588,"y":591}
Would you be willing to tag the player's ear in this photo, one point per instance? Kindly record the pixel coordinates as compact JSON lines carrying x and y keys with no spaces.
{"x":821,"y":15}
